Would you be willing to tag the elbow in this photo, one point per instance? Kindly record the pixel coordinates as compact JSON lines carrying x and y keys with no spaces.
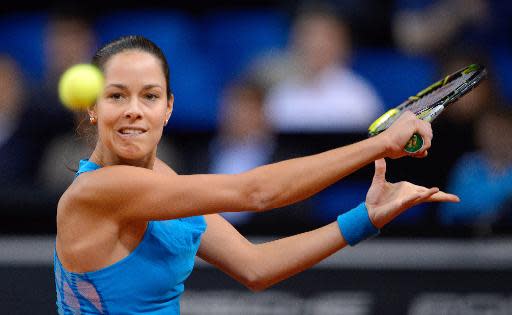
{"x":259,"y":201}
{"x":255,"y":283}
{"x":256,"y":289}
{"x":261,"y":197}
{"x":253,"y":276}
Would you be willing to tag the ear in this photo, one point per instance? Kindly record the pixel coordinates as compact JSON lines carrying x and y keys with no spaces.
{"x":92,"y":111}
{"x":168,"y":112}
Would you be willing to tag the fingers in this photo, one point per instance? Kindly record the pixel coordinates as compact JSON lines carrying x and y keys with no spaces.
{"x":435,"y":195}
{"x":421,"y":194}
{"x":428,"y":193}
{"x":401,"y":132}
{"x":420,"y":154}
{"x":413,"y":194}
{"x":443,"y":197}
{"x":425,"y":130}
{"x":380,"y":170}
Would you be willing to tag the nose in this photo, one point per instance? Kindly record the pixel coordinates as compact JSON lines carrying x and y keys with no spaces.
{"x":134,"y":110}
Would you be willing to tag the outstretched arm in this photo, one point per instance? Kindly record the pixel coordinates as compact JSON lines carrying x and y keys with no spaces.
{"x":290,"y":181}
{"x":259,"y":266}
{"x":132,"y":193}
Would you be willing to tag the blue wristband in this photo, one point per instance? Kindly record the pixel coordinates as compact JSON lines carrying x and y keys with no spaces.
{"x":355,"y":225}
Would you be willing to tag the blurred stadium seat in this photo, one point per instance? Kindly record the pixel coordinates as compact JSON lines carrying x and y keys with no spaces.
{"x":22,"y":37}
{"x":502,"y":57}
{"x":234,"y":38}
{"x":173,"y":31}
{"x":395,"y":76}
{"x":196,"y":91}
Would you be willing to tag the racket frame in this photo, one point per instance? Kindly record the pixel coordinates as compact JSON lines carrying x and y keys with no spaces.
{"x":432,"y":111}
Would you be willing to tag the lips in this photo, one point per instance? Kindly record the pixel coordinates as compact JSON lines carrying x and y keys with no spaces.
{"x":131,"y":131}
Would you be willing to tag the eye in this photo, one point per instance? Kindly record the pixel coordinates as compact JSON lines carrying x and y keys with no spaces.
{"x":151,"y":96}
{"x":116,"y":96}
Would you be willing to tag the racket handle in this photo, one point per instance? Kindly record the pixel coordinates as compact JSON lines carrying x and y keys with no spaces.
{"x":414,"y":144}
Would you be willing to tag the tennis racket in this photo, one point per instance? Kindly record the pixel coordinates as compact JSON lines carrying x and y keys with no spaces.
{"x":431,"y":101}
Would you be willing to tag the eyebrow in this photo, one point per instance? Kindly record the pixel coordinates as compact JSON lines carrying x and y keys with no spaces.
{"x":124,"y":87}
{"x":117,"y":85}
{"x":150,"y":86}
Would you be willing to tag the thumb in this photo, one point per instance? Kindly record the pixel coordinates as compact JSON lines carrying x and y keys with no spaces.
{"x":380,"y":170}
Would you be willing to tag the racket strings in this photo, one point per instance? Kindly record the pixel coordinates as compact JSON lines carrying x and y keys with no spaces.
{"x":430,"y":100}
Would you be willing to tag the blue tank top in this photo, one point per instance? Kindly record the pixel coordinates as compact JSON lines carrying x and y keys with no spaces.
{"x":150,"y":280}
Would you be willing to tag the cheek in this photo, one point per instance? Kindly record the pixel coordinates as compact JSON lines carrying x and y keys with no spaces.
{"x":158,"y":117}
{"x":107,"y":118}
{"x":104,"y":133}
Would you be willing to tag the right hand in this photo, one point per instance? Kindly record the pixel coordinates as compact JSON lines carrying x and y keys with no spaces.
{"x":385,"y":201}
{"x":397,"y":135}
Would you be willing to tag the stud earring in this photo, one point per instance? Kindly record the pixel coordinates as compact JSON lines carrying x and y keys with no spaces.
{"x":92,"y":119}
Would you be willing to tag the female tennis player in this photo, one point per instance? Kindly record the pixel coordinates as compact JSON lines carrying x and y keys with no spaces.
{"x":129,"y":227}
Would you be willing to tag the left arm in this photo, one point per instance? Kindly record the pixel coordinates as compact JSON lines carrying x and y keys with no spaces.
{"x":259,"y":266}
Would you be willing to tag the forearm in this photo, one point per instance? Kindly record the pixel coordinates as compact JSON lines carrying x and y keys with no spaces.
{"x":290,"y":181}
{"x":283,"y":258}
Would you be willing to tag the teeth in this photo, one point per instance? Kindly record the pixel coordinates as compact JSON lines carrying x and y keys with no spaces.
{"x":131,"y":131}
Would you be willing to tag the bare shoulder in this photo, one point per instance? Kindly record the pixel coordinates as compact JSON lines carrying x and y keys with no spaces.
{"x":113,"y":192}
{"x":101,"y":185}
{"x":68,"y":199}
{"x":102,"y":191}
{"x":81,"y":202}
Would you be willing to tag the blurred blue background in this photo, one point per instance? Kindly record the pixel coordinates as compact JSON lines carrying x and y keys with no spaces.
{"x":387,"y":50}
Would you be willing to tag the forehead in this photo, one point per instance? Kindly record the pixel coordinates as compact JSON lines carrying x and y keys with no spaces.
{"x":134,"y":64}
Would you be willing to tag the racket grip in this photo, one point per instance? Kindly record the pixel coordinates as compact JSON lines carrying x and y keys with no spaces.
{"x":414,"y":144}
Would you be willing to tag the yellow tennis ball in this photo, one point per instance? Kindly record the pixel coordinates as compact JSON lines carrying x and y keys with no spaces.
{"x":80,"y":86}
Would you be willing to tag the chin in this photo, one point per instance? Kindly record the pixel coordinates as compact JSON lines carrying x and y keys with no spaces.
{"x":132,"y":155}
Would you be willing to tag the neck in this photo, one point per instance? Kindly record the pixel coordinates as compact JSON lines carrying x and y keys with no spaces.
{"x":104,"y":157}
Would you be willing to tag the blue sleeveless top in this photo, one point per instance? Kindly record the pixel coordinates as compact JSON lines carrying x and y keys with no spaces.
{"x":150,"y":280}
